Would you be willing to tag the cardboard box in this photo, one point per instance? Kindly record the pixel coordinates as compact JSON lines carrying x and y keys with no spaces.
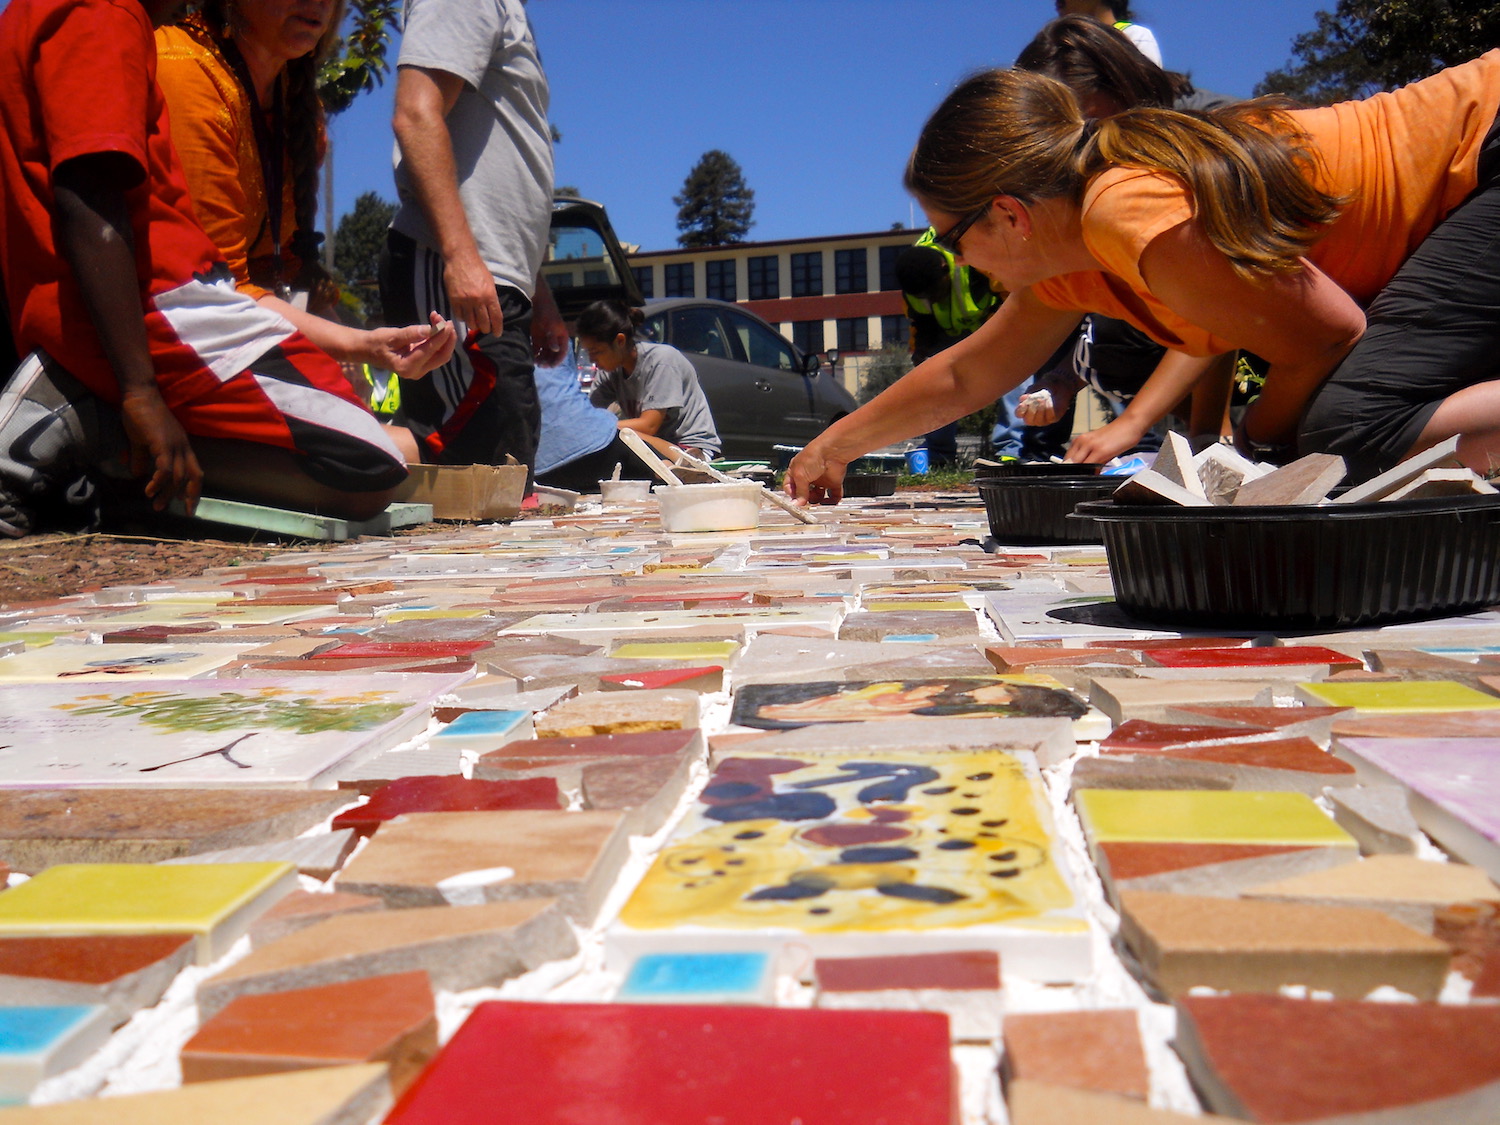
{"x":467,"y":492}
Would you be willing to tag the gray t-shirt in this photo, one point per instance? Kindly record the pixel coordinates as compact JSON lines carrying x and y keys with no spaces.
{"x":502,"y":143}
{"x":663,"y":380}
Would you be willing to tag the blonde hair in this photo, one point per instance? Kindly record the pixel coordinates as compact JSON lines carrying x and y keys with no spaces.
{"x":1012,"y":132}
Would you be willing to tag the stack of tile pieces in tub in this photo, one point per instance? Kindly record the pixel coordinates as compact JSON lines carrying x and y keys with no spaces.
{"x":836,"y":822}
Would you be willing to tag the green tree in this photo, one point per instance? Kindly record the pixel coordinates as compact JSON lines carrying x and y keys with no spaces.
{"x":715,"y":206}
{"x":359,"y":63}
{"x":356,"y":248}
{"x":1365,"y":46}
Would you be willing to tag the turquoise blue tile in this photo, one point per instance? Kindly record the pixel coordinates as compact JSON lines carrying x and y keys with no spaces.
{"x":704,"y":977}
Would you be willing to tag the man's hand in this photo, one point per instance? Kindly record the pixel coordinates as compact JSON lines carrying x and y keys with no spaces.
{"x":816,"y":479}
{"x":549,"y":335}
{"x":159,"y":448}
{"x":471,"y":294}
{"x":414,"y":351}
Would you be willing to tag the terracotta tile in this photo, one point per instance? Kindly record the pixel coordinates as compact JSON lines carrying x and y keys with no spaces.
{"x":708,"y":679}
{"x":1271,"y":1058}
{"x":1143,"y":734}
{"x":301,"y":909}
{"x":447,"y":794}
{"x":1454,"y":724}
{"x":122,"y":972}
{"x":1407,"y":889}
{"x":1206,"y":869}
{"x":387,"y":1019}
{"x":964,"y":985}
{"x":423,"y":858}
{"x":314,"y":1097}
{"x":649,"y":788}
{"x":1314,"y":722}
{"x":1187,"y":941}
{"x":43,"y":827}
{"x":676,"y":1064}
{"x":1261,"y":657}
{"x":1284,"y":764}
{"x":1039,"y":1103}
{"x":460,"y":947}
{"x":1089,"y":1050}
{"x":1150,"y":699}
{"x":1012,"y":658}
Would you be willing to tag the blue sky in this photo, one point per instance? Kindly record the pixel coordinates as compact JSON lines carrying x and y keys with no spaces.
{"x":818,"y":100}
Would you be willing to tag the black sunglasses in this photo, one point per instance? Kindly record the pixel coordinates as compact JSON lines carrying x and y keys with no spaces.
{"x":948,"y":240}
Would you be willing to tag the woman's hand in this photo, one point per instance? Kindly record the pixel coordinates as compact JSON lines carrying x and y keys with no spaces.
{"x":413,"y":351}
{"x":1107,"y":442}
{"x":814,"y":478}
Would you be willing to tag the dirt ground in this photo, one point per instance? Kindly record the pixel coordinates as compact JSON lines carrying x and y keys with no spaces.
{"x":52,"y":564}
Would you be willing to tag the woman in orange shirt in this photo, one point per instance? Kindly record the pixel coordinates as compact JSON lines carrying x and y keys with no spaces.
{"x":240,"y":80}
{"x":1352,"y":247}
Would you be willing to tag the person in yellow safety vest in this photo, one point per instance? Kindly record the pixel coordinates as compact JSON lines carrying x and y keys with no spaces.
{"x":1117,"y":14}
{"x":382,"y":390}
{"x":944,"y":303}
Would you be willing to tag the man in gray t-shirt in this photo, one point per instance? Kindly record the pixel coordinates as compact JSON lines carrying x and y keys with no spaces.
{"x":474,"y":176}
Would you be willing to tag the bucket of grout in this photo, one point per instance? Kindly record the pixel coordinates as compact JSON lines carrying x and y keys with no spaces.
{"x":709,"y":507}
{"x":624,"y":491}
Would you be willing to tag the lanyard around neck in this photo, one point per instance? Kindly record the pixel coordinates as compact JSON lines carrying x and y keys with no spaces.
{"x":269,"y":145}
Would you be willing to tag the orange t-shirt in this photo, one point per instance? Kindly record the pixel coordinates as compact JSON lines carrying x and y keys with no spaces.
{"x":215,"y":139}
{"x":1407,"y":158}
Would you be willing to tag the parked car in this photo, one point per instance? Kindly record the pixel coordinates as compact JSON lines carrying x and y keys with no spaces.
{"x":763,"y":392}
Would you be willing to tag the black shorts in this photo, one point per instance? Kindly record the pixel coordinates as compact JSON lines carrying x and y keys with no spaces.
{"x":1432,"y":331}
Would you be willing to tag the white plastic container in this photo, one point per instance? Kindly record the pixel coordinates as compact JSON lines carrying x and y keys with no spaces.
{"x":624,"y":491}
{"x":709,"y":507}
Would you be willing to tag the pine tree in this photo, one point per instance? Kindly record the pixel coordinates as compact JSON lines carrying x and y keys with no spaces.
{"x":356,"y":248}
{"x":715,"y":206}
{"x":1365,"y":46}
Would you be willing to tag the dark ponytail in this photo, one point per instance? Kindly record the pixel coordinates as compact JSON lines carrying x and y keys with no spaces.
{"x":604,"y":320}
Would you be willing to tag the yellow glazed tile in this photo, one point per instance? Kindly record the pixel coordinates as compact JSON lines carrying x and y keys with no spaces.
{"x":1410,"y":696}
{"x":677,"y":650}
{"x":431,"y":614}
{"x":215,"y":902}
{"x":1206,"y":817}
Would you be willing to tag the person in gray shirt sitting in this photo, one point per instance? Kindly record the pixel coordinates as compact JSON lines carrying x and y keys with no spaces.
{"x":653,"y":385}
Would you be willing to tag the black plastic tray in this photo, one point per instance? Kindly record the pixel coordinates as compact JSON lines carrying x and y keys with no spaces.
{"x":1301,"y":567}
{"x":1034,"y":510}
{"x":1009,"y":469}
{"x":870,"y":484}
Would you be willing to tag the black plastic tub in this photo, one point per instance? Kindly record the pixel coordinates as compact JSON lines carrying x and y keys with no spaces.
{"x":1033,"y":469}
{"x":1030,"y":511}
{"x":869,"y":484}
{"x":1303,"y":567}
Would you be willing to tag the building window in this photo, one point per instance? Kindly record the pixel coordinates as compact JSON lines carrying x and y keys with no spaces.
{"x":807,"y":276}
{"x":678,"y":279}
{"x":854,"y":334}
{"x":808,"y":334}
{"x":888,"y":256}
{"x":718,"y":279}
{"x":643,"y":280}
{"x":597,"y":277}
{"x":765,"y":278}
{"x":849,"y":273}
{"x":894,"y":330}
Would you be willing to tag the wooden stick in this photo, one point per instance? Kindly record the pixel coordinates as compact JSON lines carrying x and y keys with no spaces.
{"x":642,"y":449}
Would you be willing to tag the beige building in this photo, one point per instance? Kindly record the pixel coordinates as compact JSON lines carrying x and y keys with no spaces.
{"x":838,"y":291}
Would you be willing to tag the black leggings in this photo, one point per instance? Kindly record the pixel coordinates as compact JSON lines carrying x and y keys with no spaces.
{"x":1433,"y":330}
